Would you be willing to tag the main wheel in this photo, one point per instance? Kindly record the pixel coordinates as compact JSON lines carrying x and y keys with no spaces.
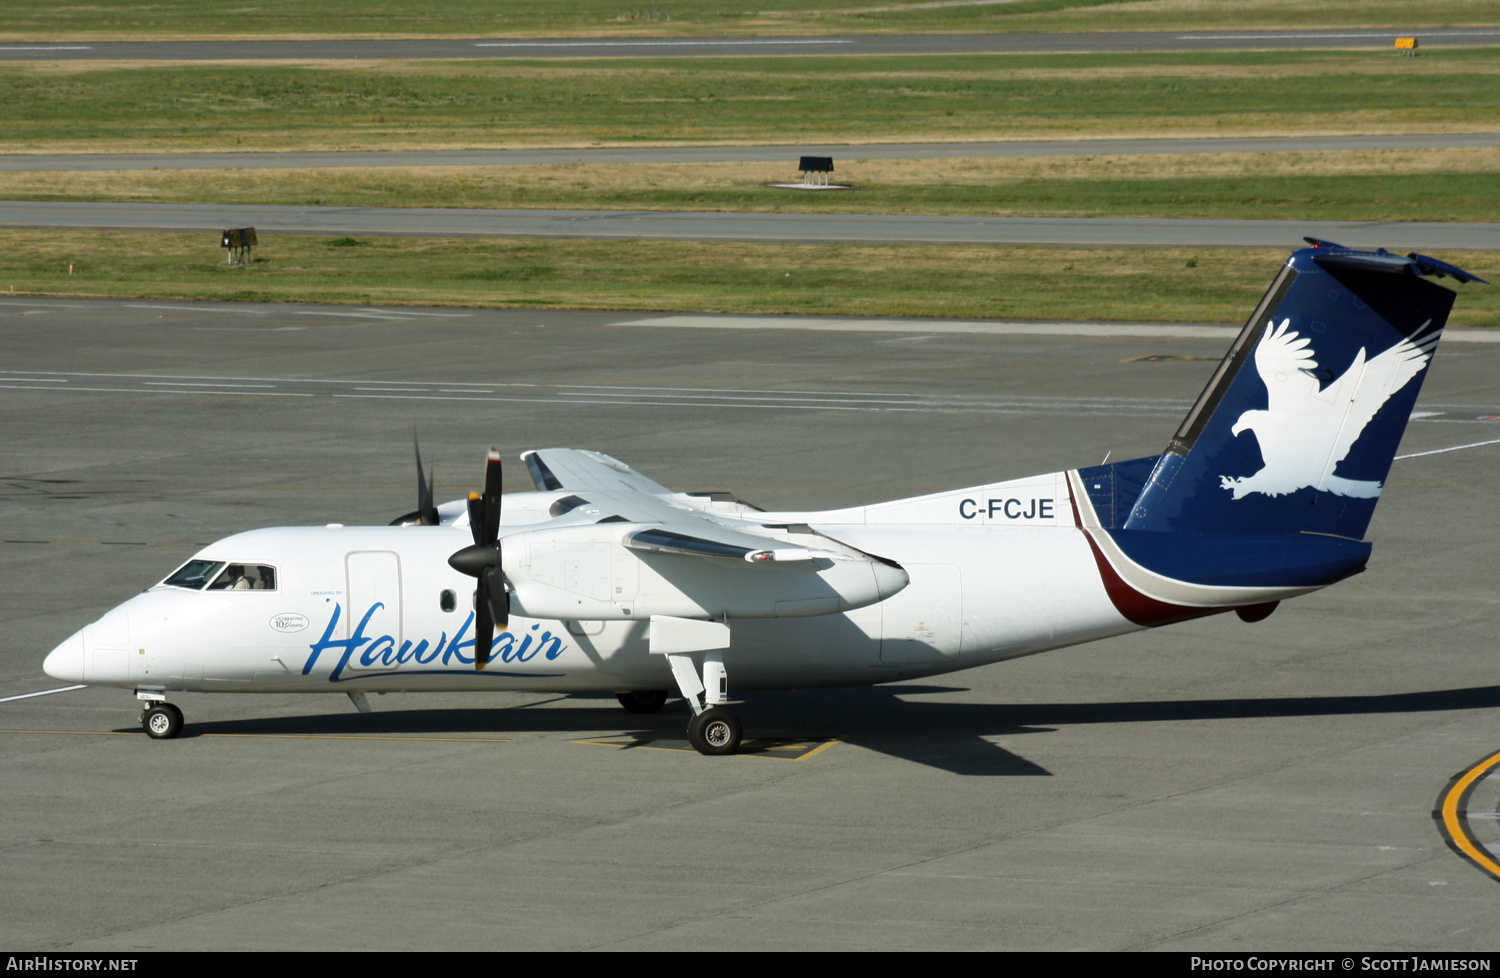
{"x":643,"y":700}
{"x":715,"y":731}
{"x":162,"y":722}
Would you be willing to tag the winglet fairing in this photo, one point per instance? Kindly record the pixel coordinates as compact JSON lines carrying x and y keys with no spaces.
{"x":604,"y":579}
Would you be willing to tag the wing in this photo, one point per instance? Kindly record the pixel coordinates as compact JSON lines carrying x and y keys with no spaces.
{"x":570,"y":469}
{"x":612,"y":491}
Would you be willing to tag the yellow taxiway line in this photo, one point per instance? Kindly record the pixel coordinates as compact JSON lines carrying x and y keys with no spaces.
{"x":1452,"y":811}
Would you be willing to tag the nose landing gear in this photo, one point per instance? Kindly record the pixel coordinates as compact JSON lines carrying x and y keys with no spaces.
{"x":160,"y":719}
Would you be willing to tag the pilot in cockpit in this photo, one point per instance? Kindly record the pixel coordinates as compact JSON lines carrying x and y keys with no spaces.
{"x":233,"y":579}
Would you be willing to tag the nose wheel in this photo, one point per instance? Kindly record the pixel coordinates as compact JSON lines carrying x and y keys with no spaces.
{"x":162,"y":721}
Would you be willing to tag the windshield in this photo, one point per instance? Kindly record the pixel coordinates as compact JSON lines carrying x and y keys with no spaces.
{"x":245,"y":577}
{"x":194,"y":574}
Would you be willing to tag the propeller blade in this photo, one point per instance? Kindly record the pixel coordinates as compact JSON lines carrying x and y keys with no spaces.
{"x":426,"y":513}
{"x":425,"y":506}
{"x":498,"y":595}
{"x":476,"y":519}
{"x":482,"y":562}
{"x":491,"y":497}
{"x":484,"y":628}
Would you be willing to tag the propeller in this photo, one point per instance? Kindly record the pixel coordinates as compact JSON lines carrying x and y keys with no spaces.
{"x":426,"y":513}
{"x":482,"y":562}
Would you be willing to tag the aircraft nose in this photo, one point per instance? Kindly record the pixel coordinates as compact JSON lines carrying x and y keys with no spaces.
{"x":66,"y":661}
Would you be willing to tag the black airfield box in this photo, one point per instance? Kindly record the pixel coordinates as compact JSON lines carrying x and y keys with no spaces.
{"x":238,"y":238}
{"x":239,"y":241}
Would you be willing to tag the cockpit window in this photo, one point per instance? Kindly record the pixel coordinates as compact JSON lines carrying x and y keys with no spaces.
{"x":245,"y":577}
{"x":194,"y":574}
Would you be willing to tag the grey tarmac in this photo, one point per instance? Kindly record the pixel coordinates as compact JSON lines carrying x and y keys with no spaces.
{"x":666,"y":47}
{"x":719,"y":226}
{"x":842,"y":152}
{"x":1210,"y":785}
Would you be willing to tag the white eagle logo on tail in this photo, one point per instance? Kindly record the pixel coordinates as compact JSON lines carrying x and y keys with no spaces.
{"x":1307,"y":429}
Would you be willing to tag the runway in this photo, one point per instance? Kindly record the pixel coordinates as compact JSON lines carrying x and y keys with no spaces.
{"x":714,"y":226}
{"x":668,"y":47}
{"x":738,"y":154}
{"x":1210,"y":785}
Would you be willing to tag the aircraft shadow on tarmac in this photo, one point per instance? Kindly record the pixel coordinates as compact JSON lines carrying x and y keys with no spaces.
{"x":953,"y":737}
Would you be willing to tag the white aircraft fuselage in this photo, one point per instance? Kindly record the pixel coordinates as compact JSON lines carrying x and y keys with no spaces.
{"x":994,"y":572}
{"x":604,"y":580}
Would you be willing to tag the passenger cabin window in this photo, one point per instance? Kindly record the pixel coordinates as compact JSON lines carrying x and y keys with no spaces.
{"x":194,"y":574}
{"x":245,"y":577}
{"x":447,"y":600}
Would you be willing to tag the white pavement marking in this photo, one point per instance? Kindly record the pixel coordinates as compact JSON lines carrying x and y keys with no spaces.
{"x":1455,"y":448}
{"x":1164,"y":330}
{"x":46,"y":47}
{"x":45,"y":692}
{"x":179,"y":383}
{"x":676,"y":397}
{"x":434,"y":315}
{"x":224,"y":308}
{"x":351,"y":315}
{"x":1201,"y":331}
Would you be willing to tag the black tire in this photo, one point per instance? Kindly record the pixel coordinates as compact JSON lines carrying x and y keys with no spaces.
{"x":162,"y":722}
{"x":643,"y":700}
{"x":715,"y":732}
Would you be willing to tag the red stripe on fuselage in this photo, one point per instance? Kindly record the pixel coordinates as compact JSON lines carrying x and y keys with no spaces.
{"x":1132,"y":605}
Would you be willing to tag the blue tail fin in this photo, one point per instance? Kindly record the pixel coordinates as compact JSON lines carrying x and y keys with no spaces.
{"x":1297,"y":429}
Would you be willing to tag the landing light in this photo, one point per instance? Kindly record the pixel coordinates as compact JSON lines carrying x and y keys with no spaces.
{"x":772,"y":556}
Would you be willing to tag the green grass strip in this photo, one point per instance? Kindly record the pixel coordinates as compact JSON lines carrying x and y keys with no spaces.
{"x":1142,"y":284}
{"x":136,"y":19}
{"x":741,"y":100}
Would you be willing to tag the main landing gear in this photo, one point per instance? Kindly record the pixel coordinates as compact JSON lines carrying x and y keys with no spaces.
{"x":713,"y":729}
{"x":643,"y":700}
{"x":160,"y":719}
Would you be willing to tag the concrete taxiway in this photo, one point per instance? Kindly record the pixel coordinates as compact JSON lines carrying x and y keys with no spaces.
{"x":698,"y":47}
{"x":1208,"y":785}
{"x":742,"y":226}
